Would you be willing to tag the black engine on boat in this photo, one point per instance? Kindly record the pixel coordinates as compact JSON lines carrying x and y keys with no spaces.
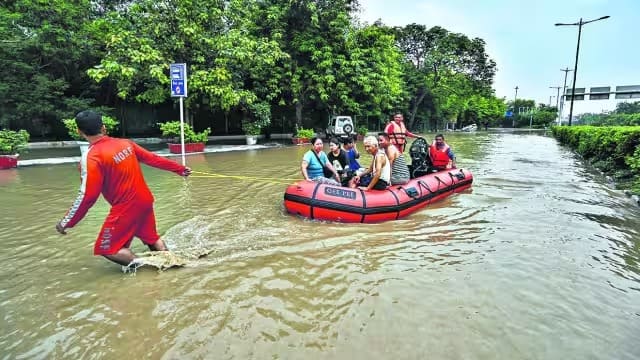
{"x":420,"y":161}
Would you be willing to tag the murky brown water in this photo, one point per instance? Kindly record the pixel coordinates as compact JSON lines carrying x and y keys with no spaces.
{"x":541,"y":260}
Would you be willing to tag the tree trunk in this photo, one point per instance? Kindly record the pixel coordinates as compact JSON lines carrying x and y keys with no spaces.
{"x":415,"y":106}
{"x":299,"y":113}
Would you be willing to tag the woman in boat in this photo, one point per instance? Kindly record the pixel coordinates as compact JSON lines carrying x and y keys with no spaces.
{"x":338,"y":158}
{"x":316,"y":166}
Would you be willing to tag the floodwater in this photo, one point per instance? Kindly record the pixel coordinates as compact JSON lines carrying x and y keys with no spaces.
{"x":540,"y":260}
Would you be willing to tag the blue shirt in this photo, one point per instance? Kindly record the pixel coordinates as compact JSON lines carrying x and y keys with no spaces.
{"x":314,"y":169}
{"x":351,"y":156}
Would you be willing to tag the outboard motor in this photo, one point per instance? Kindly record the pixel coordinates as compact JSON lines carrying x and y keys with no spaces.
{"x":420,"y":161}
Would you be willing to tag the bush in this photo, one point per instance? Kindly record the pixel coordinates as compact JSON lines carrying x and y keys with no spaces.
{"x":362,"y":130}
{"x":171,"y":129}
{"x":305,"y":133}
{"x":612,"y":149}
{"x":259,"y":118}
{"x":12,"y":142}
{"x":109,"y":123}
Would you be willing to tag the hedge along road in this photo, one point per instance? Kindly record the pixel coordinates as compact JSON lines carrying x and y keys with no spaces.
{"x":539,"y":260}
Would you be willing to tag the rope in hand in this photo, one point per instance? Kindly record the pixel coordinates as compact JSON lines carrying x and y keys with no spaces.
{"x":201,"y":174}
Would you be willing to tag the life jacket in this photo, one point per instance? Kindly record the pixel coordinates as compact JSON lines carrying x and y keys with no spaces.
{"x":440,"y":157}
{"x":397,"y":134}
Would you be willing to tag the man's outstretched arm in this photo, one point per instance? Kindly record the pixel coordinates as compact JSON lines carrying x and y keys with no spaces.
{"x":157,"y":161}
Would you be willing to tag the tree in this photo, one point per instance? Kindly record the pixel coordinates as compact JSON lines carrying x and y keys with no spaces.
{"x":314,"y":35}
{"x":628,"y":108}
{"x":435,"y":54}
{"x":372,"y":72}
{"x":227,"y":63}
{"x":45,"y":47}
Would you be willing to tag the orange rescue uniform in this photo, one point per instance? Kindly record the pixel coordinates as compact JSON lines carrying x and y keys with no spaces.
{"x":112,"y":167}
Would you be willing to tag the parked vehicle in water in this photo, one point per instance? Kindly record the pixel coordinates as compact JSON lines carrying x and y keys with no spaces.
{"x":340,"y":126}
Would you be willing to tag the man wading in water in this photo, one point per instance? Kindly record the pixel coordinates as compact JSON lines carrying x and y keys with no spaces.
{"x":112,"y":167}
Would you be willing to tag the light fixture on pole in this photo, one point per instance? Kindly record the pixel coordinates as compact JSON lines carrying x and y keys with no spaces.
{"x":575,"y":68}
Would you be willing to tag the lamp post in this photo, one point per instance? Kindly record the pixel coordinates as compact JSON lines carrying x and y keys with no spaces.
{"x":575,"y":68}
{"x":557,"y":101}
{"x":513,"y":122}
{"x":564,"y":93}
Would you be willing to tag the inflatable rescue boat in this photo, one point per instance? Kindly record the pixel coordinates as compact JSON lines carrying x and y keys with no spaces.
{"x":334,"y":203}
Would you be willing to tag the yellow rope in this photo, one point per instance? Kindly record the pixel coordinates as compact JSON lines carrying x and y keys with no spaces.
{"x":201,"y":174}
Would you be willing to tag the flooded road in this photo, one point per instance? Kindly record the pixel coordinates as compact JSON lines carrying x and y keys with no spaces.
{"x":540,"y":260}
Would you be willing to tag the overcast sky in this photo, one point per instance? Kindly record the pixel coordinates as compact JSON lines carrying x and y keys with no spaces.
{"x":528,"y":49}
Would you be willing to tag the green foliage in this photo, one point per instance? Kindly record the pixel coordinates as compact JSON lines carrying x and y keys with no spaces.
{"x":484,"y":109}
{"x":442,"y":70}
{"x":613,"y":149}
{"x":109,"y":123}
{"x":305,"y":133}
{"x":228,"y":63}
{"x":362,"y":130}
{"x":12,"y":142}
{"x":626,"y":114}
{"x":46,"y":47}
{"x":259,"y":118}
{"x":171,"y":129}
{"x":628,"y":108}
{"x":306,"y":55}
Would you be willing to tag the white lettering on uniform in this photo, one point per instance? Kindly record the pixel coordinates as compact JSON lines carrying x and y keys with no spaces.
{"x":122,"y":154}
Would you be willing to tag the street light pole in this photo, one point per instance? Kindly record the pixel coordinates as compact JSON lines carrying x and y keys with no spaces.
{"x":513,"y":122}
{"x":557,"y":100}
{"x":575,"y":68}
{"x":564,"y":93}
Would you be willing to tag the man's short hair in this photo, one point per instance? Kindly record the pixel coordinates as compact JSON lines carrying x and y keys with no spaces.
{"x":89,"y":122}
{"x":384,"y":135}
{"x":439,"y":136}
{"x":371,"y":140}
{"x":347,"y":140}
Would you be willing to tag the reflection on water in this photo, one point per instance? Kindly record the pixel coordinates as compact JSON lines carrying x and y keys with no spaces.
{"x":538,"y":260}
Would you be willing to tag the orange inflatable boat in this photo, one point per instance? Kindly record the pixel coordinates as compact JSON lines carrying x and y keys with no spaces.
{"x":334,"y":203}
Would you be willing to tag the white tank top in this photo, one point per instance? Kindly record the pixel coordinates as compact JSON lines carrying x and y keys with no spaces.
{"x":385,"y":173}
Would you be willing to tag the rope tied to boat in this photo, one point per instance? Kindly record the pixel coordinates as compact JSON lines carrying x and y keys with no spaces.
{"x":202,"y":174}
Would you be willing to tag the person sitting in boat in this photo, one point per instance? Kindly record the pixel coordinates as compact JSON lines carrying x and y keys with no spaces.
{"x":316,"y":166}
{"x":352,"y":153}
{"x":441,"y":155}
{"x":399,"y":168}
{"x":378,"y":175}
{"x":338,"y":158}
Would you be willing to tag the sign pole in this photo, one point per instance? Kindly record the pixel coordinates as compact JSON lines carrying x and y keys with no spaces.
{"x":178,"y":75}
{"x":184,"y":163}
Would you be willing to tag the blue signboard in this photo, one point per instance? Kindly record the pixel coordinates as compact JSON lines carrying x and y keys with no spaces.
{"x":509,"y":113}
{"x":178,"y":74}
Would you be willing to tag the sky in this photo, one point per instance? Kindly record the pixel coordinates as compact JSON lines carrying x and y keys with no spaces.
{"x":528,"y":49}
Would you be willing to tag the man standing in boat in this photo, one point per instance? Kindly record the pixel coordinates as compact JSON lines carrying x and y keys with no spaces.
{"x":441,"y":155}
{"x":398,"y":132}
{"x":378,"y":175}
{"x":112,"y":167}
